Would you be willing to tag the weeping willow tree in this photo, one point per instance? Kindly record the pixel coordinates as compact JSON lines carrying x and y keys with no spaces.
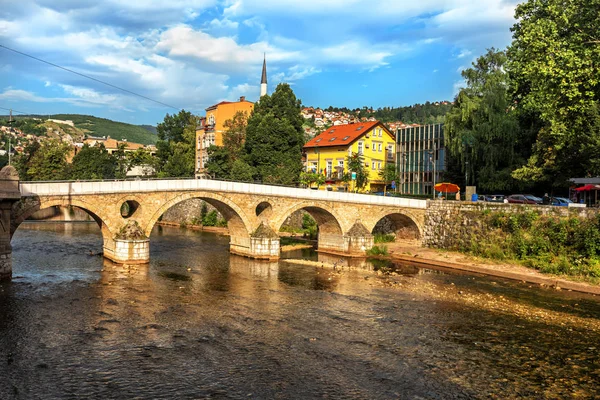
{"x":482,"y":128}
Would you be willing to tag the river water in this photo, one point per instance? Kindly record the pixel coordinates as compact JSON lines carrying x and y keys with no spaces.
{"x":200,"y":323}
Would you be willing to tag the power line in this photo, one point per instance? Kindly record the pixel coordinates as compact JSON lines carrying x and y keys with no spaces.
{"x":89,"y":77}
{"x":16,"y":111}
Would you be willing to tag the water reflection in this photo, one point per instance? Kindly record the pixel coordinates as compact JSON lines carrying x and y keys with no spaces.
{"x":197,"y":322}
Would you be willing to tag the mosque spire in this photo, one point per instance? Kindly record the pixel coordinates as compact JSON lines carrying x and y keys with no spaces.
{"x":263,"y":81}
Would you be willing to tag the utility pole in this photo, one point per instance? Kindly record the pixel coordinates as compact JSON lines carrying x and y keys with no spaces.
{"x":10,"y":132}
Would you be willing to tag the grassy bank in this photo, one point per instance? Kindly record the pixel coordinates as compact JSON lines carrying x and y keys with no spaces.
{"x":549,"y":243}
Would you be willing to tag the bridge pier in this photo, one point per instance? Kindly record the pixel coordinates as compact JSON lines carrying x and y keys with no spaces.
{"x":5,"y":247}
{"x":263,"y":244}
{"x":129,"y":246}
{"x":128,"y":251}
{"x":9,"y":193}
{"x":355,"y":242}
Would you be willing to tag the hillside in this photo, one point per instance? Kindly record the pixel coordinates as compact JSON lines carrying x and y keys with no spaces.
{"x":95,"y":126}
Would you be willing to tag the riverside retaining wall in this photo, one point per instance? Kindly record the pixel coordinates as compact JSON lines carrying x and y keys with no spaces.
{"x":449,"y":223}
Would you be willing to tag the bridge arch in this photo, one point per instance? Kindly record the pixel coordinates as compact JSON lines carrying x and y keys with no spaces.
{"x":402,"y":223}
{"x":26,"y":207}
{"x":327,"y":219}
{"x":238,"y":223}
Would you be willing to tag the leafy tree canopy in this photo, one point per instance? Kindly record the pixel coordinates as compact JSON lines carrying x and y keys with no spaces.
{"x":482,"y":130}
{"x":554,"y":63}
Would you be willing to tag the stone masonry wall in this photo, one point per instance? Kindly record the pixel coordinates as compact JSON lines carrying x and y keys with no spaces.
{"x":186,"y":211}
{"x":448,"y":223}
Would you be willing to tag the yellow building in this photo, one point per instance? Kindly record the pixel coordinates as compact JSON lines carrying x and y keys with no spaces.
{"x":211,"y":130}
{"x":326,"y":153}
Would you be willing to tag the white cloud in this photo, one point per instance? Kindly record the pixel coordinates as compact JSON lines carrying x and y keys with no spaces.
{"x":457,"y":86}
{"x":21,"y":95}
{"x":464,"y":53}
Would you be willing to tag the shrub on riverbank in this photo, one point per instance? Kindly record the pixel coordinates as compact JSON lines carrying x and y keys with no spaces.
{"x":549,"y":243}
{"x":384,"y":237}
{"x":378,"y":251}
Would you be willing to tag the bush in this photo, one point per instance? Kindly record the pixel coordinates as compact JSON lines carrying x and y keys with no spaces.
{"x":378,"y":251}
{"x":384,"y":237}
{"x":551,"y":244}
{"x":311,"y":230}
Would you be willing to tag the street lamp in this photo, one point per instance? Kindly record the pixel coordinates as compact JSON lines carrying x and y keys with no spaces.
{"x":432,"y":161}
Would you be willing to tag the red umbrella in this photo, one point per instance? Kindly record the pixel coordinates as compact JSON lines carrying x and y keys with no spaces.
{"x":447,"y":187}
{"x":587,"y":188}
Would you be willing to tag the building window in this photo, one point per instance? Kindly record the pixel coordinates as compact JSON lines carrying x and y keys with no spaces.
{"x":379,"y":165}
{"x":329,"y":168}
{"x":373,"y":165}
{"x":360,"y":148}
{"x":340,"y":169}
{"x":380,"y":132}
{"x":379,"y":147}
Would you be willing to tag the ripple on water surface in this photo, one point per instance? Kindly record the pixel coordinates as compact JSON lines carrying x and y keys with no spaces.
{"x":199,"y":323}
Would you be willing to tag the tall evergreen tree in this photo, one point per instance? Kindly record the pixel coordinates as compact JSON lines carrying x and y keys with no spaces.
{"x":274,"y":137}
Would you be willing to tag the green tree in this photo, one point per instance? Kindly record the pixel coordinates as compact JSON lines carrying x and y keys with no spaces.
{"x":308,"y":178}
{"x":389,"y":173}
{"x":22,"y":160}
{"x":482,"y":129}
{"x":175,"y":146}
{"x":554,"y":62}
{"x":241,"y":171}
{"x":274,"y":137}
{"x":235,"y":135}
{"x":93,"y":162}
{"x":227,"y":162}
{"x":356,"y":163}
{"x":140,"y":157}
{"x":219,"y":162}
{"x":49,"y":162}
{"x":175,"y":149}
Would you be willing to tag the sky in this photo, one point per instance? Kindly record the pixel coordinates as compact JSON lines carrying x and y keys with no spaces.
{"x":194,"y":53}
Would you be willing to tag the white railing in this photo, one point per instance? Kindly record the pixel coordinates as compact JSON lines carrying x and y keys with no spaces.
{"x":139,"y":186}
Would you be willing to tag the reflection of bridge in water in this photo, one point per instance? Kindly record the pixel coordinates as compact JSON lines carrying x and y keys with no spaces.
{"x":254,"y":213}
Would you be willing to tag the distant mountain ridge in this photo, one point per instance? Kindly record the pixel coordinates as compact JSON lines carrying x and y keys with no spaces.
{"x":91,"y":126}
{"x":95,"y":126}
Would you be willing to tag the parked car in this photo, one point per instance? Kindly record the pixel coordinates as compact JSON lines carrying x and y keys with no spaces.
{"x":537,"y":200}
{"x":495,"y":198}
{"x":560,"y":201}
{"x":523,"y":199}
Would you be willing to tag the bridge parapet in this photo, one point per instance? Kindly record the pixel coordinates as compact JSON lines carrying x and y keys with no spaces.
{"x":157,"y":185}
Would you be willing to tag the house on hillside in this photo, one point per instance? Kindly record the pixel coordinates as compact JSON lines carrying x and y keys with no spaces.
{"x":326,"y":153}
{"x":112,"y":145}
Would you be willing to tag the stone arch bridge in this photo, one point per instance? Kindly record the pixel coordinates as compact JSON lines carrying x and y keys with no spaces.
{"x":254,"y":213}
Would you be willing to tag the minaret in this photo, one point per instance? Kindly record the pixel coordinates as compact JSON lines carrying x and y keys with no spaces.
{"x":263,"y":81}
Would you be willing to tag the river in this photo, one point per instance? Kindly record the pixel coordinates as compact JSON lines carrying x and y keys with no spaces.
{"x":199,"y":323}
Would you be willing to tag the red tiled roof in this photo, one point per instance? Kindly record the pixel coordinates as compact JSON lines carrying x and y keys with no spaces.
{"x":342,"y":135}
{"x":218,"y":104}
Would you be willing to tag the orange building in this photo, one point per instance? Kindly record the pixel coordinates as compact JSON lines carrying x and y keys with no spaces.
{"x":210,"y":132}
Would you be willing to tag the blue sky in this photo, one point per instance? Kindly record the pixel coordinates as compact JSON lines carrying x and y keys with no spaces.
{"x":194,"y":53}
